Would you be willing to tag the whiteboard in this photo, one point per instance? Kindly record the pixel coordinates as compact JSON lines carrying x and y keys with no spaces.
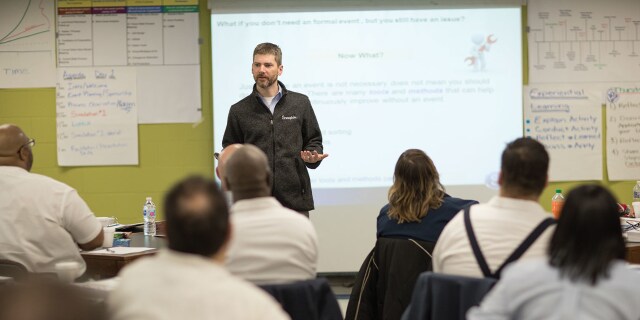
{"x":380,"y":82}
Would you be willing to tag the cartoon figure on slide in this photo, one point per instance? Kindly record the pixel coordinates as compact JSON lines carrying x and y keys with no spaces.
{"x":480,"y":46}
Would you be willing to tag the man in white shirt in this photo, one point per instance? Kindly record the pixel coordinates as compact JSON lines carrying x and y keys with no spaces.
{"x":188,"y":280}
{"x":502,"y":224}
{"x":272,"y":244}
{"x":42,"y":221}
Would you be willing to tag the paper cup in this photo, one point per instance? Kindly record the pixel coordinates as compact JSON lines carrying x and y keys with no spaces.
{"x":67,"y":270}
{"x":106,"y":221}
{"x":108,"y":237}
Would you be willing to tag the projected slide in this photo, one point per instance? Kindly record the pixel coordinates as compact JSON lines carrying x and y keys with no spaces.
{"x":448,"y":82}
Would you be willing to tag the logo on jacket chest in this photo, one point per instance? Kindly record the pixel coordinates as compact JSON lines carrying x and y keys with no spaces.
{"x":289,"y":117}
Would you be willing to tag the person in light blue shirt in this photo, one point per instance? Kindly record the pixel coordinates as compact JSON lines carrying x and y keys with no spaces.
{"x":584,"y":275}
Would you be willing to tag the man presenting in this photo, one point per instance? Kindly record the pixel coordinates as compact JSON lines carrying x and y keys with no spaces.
{"x":283,"y":125}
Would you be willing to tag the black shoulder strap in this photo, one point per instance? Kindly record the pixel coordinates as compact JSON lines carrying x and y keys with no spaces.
{"x":482,"y":263}
{"x":524,"y":246}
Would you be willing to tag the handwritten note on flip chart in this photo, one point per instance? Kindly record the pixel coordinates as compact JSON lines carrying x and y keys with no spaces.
{"x":623,"y":132}
{"x":97,"y":117}
{"x":567,"y":119}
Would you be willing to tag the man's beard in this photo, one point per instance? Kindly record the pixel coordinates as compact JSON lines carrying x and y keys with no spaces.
{"x":266,"y":84}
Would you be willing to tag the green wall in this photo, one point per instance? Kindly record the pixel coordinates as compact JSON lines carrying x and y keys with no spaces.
{"x":168,"y":152}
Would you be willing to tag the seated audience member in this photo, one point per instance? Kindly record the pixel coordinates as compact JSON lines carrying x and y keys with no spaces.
{"x":408,"y":228}
{"x":272,"y":244}
{"x":42,"y":221}
{"x":509,"y":225}
{"x":584,"y":275}
{"x":188,"y":280}
{"x":418,"y":206}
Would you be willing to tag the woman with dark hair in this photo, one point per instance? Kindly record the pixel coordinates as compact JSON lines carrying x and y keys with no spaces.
{"x":584,"y":277}
{"x":418,"y":206}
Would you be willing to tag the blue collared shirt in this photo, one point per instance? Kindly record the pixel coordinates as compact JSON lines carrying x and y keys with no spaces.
{"x":272,"y":105}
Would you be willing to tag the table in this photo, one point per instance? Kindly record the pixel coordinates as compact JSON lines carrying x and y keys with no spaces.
{"x":107,"y":265}
{"x":633,"y":252}
{"x":100,"y":266}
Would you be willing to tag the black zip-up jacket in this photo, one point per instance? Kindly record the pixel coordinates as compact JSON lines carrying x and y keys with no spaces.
{"x":291,"y":128}
{"x":386,"y":278}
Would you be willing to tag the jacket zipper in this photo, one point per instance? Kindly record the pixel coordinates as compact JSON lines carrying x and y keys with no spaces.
{"x":273,"y":150}
{"x":273,"y":143}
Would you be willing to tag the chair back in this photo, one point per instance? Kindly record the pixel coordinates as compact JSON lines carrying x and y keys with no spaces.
{"x":306,"y":300}
{"x":442,"y":296}
{"x":13,"y":269}
{"x":386,"y":278}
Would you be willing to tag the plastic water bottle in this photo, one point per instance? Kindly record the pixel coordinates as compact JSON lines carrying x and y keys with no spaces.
{"x":636,"y":192}
{"x":557,"y":202}
{"x":149,"y":215}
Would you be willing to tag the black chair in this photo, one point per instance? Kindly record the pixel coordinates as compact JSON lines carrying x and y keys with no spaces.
{"x":386,"y":278}
{"x":306,"y":300}
{"x":442,"y":296}
{"x":13,"y":270}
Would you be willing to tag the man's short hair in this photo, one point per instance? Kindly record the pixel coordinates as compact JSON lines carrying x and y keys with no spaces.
{"x":269,"y":48}
{"x":525,"y":163}
{"x":197,"y":217}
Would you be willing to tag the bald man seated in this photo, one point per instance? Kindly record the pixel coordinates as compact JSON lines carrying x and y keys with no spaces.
{"x":272,"y":244}
{"x":42,"y":221}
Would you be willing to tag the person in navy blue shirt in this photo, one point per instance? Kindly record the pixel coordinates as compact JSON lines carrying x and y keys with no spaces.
{"x":418,"y":206}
